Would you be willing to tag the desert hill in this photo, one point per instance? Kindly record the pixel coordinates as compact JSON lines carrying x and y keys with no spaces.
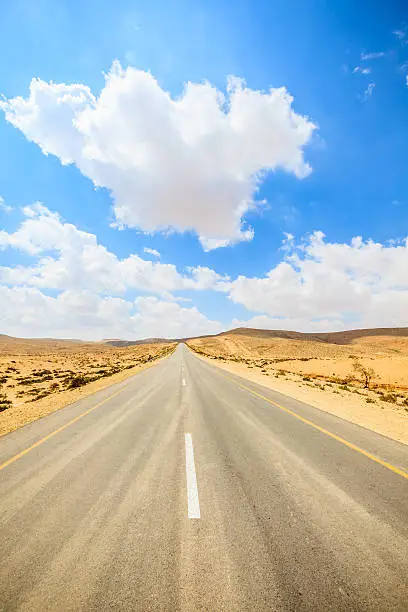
{"x":136,"y":342}
{"x":327,"y":356}
{"x":341,"y":337}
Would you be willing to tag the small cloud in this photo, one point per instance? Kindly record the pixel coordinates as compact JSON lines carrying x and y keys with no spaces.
{"x":371,"y":56}
{"x":368,"y":92}
{"x":152,"y":252}
{"x":399,"y":34}
{"x":361,"y":70}
{"x":402,"y":34}
{"x":5,"y":207}
{"x":287,"y":242}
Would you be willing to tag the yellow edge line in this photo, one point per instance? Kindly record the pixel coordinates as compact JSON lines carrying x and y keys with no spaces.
{"x":354,"y":447}
{"x":56,"y":431}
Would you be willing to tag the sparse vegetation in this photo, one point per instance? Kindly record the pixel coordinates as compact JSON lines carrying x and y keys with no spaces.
{"x":42,"y":370}
{"x":389,"y":397}
{"x":366,"y":373}
{"x":4,"y":402}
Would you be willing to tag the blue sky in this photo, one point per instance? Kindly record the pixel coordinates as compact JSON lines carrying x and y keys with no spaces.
{"x":345,"y":66}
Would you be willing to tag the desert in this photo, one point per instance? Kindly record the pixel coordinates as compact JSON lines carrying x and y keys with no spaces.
{"x":39,"y":376}
{"x":324,"y":370}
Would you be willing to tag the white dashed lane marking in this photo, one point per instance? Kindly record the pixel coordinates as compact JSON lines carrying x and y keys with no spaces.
{"x":192,"y":489}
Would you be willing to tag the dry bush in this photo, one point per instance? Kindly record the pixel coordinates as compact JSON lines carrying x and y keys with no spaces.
{"x":366,"y":373}
{"x":4,"y":402}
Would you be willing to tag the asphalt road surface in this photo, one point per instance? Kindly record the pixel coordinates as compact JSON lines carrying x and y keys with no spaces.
{"x":186,"y":488}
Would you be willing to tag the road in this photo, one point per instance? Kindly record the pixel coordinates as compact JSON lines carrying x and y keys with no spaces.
{"x":186,"y":488}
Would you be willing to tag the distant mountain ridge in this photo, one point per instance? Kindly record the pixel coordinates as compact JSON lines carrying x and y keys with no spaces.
{"x":119,"y":343}
{"x":339,"y":337}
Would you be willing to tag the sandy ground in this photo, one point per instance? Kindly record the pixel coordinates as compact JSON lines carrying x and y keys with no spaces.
{"x":322,"y":374}
{"x":36,"y":377}
{"x":387,"y":356}
{"x":382,"y":417}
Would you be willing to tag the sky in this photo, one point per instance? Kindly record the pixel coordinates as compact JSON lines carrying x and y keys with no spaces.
{"x":178,"y":168}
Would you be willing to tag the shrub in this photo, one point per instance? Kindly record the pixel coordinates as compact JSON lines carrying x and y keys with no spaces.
{"x":389,"y":397}
{"x":40,"y":396}
{"x":369,"y":400}
{"x":27,"y":381}
{"x":77,"y":381}
{"x":4,"y":402}
{"x":365,"y":373}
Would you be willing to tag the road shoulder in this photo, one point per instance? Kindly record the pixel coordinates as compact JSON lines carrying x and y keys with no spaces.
{"x":28,"y":412}
{"x":378,"y":417}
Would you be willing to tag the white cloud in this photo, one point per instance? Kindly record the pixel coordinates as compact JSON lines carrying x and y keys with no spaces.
{"x":159,"y":316}
{"x":5,"y":207}
{"x":361,"y":70}
{"x":371,"y":56}
{"x":89,"y":281}
{"x":71,"y":259}
{"x":323,"y":285}
{"x":26,"y":311}
{"x":191,"y":163}
{"x":317,"y":286}
{"x":368,"y":92}
{"x":402,"y":34}
{"x":151,"y":252}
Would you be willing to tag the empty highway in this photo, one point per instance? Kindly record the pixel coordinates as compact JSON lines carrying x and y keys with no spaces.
{"x":187,"y":488}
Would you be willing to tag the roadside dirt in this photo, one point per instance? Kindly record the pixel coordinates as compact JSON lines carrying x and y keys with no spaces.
{"x":323,"y":374}
{"x":37,"y":378}
{"x":378,"y":416}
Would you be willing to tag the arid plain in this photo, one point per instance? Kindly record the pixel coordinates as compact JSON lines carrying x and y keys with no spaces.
{"x":359,"y":375}
{"x":325,"y":370}
{"x":38,"y":377}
